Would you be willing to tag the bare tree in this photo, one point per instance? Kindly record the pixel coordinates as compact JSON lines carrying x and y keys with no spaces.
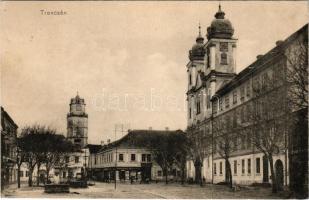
{"x":297,"y":72}
{"x":268,"y":116}
{"x":226,"y":141}
{"x":200,"y":148}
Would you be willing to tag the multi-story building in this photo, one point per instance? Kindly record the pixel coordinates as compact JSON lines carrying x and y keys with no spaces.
{"x":8,"y":148}
{"x":129,"y":157}
{"x":227,"y":110}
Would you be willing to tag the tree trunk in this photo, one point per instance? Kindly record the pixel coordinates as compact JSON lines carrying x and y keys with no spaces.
{"x":201,"y":178}
{"x":182,"y":175}
{"x":18,"y":176}
{"x":37,"y":176}
{"x":273,"y":175}
{"x":228,"y":173}
{"x":166,"y":176}
{"x":47,"y":174}
{"x":197,"y":173}
{"x":30,"y":177}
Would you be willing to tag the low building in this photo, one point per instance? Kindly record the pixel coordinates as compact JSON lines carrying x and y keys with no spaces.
{"x":129,"y":158}
{"x":8,"y":148}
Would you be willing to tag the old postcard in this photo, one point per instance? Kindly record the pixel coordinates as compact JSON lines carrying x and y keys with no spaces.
{"x":154,"y":99}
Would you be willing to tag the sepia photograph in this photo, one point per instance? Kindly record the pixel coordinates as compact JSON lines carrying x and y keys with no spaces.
{"x":154,"y":99}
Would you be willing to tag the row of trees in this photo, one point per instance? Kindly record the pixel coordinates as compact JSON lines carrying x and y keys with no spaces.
{"x":40,"y":145}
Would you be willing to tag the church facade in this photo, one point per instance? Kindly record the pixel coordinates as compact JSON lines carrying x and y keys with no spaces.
{"x":226,"y":111}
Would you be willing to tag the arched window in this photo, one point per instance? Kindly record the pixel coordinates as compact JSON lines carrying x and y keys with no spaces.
{"x":223,"y":58}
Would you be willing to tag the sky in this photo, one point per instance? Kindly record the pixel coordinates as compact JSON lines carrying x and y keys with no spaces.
{"x":126,"y":59}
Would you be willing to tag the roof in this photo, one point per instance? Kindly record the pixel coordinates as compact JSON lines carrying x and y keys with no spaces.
{"x":4,"y":114}
{"x":259,"y":63}
{"x":94,"y":148}
{"x":139,"y":138}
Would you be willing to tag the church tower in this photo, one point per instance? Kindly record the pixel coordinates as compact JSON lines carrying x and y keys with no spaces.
{"x":221,"y":46}
{"x":211,"y":65}
{"x":77,"y":122}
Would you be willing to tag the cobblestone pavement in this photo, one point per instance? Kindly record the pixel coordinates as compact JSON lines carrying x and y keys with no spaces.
{"x":145,"y":191}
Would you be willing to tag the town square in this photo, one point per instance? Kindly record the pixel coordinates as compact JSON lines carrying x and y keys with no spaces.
{"x":138,"y":100}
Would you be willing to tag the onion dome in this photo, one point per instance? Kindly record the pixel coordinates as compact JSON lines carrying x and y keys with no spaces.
{"x":197,"y":52}
{"x":220,"y":27}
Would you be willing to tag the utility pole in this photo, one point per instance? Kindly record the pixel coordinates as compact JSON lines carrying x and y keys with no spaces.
{"x":116,"y":159}
{"x":116,"y":150}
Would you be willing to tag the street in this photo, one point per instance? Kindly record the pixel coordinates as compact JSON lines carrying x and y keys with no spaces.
{"x":145,"y":191}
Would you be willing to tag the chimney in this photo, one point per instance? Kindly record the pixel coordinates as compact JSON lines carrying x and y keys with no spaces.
{"x":279,"y":42}
{"x":150,"y":128}
{"x":166,"y":128}
{"x":259,"y":56}
{"x":102,"y":143}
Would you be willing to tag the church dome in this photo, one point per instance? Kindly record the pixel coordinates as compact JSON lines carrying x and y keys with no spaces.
{"x":220,"y":27}
{"x":197,"y":52}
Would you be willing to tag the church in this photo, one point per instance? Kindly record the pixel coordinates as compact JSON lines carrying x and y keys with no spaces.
{"x":230,"y":114}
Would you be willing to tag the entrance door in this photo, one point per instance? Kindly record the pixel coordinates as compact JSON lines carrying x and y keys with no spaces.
{"x":146,"y":171}
{"x":279,"y":174}
{"x":265,"y":170}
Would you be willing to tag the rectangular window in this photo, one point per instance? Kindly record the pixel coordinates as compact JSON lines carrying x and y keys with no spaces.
{"x":208,"y":98}
{"x":249,"y":166}
{"x":227,"y":102}
{"x":159,"y":173}
{"x":67,"y":159}
{"x":190,"y":79}
{"x":248,"y":140}
{"x":215,"y":168}
{"x":243,"y":166}
{"x":220,"y":104}
{"x":143,"y":157}
{"x":27,"y":173}
{"x":148,"y":157}
{"x":215,"y":107}
{"x":258,"y":165}
{"x":21,"y":173}
{"x":120,"y":157}
{"x":190,"y":113}
{"x":132,"y":157}
{"x":76,"y":159}
{"x":242,"y":94}
{"x":234,"y":97}
{"x":248,"y":89}
{"x":220,"y":167}
{"x":235,"y":166}
{"x":223,"y":58}
{"x":198,"y":107}
{"x":235,"y":143}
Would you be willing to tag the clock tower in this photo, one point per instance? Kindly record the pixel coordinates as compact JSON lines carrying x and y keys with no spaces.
{"x":77,"y":122}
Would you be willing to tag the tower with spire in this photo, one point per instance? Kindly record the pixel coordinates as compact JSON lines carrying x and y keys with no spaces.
{"x":77,"y":122}
{"x":211,"y":64}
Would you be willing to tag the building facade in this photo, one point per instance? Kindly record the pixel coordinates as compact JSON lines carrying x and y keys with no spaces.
{"x":226,"y":111}
{"x":129,"y":158}
{"x":8,"y":149}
